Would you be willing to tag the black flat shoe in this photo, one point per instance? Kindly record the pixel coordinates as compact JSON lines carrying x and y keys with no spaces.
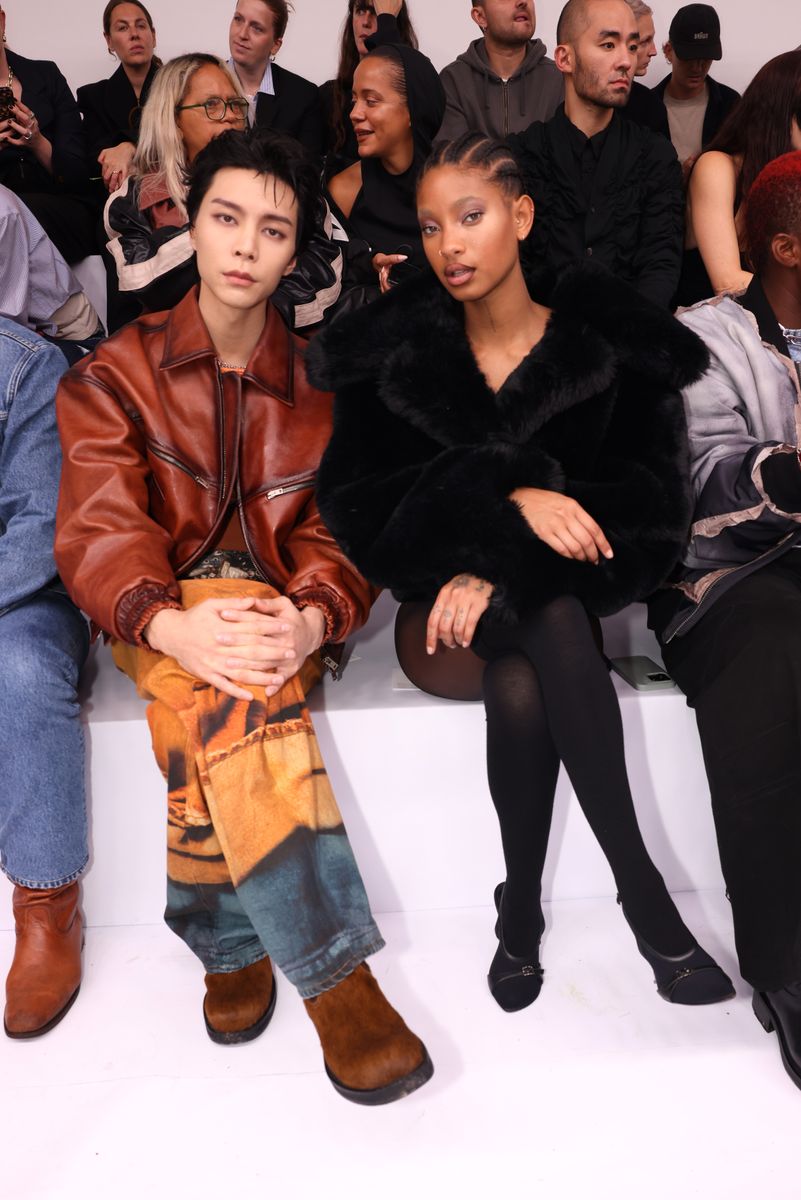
{"x":781,"y":1011}
{"x":691,"y":978}
{"x":514,"y":982}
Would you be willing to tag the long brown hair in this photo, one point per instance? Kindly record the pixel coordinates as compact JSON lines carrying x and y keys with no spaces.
{"x":757,"y":129}
{"x":349,"y":61}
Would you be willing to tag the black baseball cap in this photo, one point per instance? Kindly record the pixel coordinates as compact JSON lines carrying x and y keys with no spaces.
{"x":695,"y":32}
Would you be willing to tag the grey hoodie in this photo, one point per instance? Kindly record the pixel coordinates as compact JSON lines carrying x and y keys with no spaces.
{"x":478,"y":99}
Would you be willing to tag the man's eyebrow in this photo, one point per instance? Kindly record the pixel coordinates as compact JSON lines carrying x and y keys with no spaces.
{"x":237,"y":208}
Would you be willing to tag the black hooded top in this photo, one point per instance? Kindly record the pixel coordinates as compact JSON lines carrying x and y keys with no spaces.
{"x":384,"y":213}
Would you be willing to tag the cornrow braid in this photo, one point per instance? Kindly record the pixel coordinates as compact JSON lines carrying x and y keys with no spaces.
{"x":477,"y":152}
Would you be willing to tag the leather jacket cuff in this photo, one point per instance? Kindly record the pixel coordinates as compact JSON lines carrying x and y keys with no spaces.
{"x":324,"y":600}
{"x":138,"y":607}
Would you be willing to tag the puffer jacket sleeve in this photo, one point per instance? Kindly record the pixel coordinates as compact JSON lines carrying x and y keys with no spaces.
{"x":745,"y":499}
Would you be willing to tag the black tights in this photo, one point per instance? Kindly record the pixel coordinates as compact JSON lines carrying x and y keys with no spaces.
{"x":548,"y":699}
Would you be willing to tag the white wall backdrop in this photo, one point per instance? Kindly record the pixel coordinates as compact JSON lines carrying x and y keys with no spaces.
{"x":68,"y":31}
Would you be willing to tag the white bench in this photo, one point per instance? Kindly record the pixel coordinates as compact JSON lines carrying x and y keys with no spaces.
{"x":409,"y":773}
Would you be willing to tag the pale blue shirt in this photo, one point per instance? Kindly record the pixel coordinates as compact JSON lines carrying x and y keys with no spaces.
{"x":267,"y":86}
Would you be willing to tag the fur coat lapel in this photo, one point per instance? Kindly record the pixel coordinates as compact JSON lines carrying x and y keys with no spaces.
{"x":413,"y":345}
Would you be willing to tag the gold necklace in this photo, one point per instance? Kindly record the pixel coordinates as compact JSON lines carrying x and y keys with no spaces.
{"x":231,"y":366}
{"x":10,"y":77}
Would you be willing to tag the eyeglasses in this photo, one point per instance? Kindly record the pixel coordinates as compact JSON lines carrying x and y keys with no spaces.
{"x":216,"y":108}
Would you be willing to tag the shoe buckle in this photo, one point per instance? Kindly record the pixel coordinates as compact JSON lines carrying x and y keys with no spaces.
{"x":528,"y":970}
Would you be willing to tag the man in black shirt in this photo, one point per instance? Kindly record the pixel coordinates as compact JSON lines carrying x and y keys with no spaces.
{"x":604,"y":188}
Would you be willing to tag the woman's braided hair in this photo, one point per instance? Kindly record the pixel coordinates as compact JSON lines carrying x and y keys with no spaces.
{"x":477,"y":152}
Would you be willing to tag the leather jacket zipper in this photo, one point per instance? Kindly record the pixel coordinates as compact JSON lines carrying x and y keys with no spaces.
{"x":285,"y":488}
{"x":165,"y":456}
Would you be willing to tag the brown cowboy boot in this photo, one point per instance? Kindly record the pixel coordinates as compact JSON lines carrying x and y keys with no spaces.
{"x":239,"y":1004}
{"x":45,"y":976}
{"x":370,"y":1054}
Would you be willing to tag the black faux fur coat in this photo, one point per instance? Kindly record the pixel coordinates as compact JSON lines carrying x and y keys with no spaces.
{"x":415,"y":482}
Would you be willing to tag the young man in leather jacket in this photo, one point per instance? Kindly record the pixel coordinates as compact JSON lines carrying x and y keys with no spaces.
{"x":188,"y":530}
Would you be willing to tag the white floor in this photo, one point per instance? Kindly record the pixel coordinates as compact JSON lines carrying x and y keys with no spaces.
{"x":599,"y":1090}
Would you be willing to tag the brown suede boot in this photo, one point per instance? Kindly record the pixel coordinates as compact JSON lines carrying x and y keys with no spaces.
{"x":45,"y":976}
{"x":370,"y":1054}
{"x":239,"y":1004}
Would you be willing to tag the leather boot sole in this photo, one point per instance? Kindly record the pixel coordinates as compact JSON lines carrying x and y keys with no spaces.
{"x":238,"y":1036}
{"x":770,"y":1023}
{"x":51,"y":1024}
{"x":391,"y":1091}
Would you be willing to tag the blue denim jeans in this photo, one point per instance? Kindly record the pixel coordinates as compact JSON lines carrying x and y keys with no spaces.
{"x":43,"y":838}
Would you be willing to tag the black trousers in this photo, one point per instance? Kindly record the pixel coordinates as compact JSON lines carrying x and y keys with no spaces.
{"x":740,"y":668}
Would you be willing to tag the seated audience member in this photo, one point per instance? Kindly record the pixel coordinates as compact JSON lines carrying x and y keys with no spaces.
{"x":37,"y":288}
{"x":640,"y":94}
{"x":336,"y":96}
{"x":167,"y":535}
{"x":397,"y":109}
{"x":504,"y":81}
{"x":43,"y":645}
{"x":42,"y":155}
{"x":278,"y":99}
{"x":603,"y":187}
{"x":730,"y":625}
{"x":503,"y":488}
{"x":194,"y":99}
{"x":112,"y":108}
{"x":765,"y":124}
{"x":689,"y":106}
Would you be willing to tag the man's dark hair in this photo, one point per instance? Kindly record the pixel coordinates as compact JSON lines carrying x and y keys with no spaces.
{"x":773,"y":206}
{"x":264,"y":152}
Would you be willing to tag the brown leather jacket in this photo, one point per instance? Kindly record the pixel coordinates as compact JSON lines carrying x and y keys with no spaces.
{"x":158,"y":444}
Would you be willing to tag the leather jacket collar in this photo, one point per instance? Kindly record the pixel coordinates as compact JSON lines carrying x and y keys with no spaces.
{"x":270,"y":366}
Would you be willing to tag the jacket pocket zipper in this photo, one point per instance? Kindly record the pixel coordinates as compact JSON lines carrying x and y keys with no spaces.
{"x":286,"y":488}
{"x":176,"y":462}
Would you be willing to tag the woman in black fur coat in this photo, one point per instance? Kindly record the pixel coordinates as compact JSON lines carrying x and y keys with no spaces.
{"x":506,"y":469}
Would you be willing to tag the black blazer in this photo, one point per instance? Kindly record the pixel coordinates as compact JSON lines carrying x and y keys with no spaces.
{"x":646,"y":106}
{"x":47,"y":93}
{"x":294,"y":109}
{"x":111,"y":111}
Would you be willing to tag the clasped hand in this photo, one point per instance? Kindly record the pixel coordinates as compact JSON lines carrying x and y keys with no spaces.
{"x":233,"y":643}
{"x":563,"y":524}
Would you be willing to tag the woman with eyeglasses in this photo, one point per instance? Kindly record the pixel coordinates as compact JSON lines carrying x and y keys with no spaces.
{"x":194,"y":98}
{"x":112,"y":107}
